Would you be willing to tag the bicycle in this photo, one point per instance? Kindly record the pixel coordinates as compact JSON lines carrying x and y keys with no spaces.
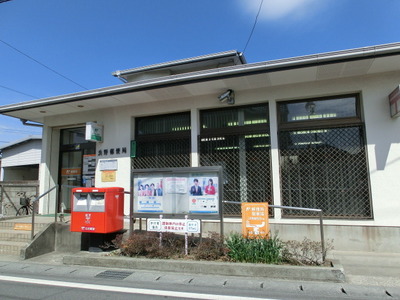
{"x":26,"y":204}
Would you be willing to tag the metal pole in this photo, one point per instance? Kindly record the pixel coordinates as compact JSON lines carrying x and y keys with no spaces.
{"x":321,"y":225}
{"x":33,"y":220}
{"x":130,"y":211}
{"x":186,"y":236}
{"x":33,"y":205}
{"x":1,"y":200}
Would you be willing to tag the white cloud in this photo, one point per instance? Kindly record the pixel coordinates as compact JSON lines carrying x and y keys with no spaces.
{"x":277,"y":9}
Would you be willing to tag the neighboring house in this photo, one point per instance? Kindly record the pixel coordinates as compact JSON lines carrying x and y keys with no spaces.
{"x":21,"y":159}
{"x":313,"y":131}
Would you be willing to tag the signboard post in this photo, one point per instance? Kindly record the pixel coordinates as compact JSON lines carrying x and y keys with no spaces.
{"x":255,"y":222}
{"x":174,"y":225}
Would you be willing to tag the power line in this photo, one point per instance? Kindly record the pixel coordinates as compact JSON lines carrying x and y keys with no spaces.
{"x":43,"y":65}
{"x":7,"y":88}
{"x":254,"y":26}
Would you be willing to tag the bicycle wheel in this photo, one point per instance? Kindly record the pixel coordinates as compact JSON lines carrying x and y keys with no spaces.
{"x":22,"y":211}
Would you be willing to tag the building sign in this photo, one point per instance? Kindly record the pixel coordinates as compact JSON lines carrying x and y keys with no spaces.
{"x":394,"y":101}
{"x":94,"y":132}
{"x":174,"y":225}
{"x":255,"y":222}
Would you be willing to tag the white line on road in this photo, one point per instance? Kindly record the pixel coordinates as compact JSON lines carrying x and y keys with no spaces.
{"x":127,"y":290}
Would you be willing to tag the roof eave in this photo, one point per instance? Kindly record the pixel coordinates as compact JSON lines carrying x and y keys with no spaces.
{"x":232,"y":71}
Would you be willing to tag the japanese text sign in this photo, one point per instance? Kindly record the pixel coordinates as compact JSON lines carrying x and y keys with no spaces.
{"x":173,"y":225}
{"x":255,"y":222}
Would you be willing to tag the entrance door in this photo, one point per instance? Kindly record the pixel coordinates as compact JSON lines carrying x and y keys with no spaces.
{"x":77,"y":164}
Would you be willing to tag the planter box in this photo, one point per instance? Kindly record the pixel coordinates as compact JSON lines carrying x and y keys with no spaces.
{"x":330,"y":274}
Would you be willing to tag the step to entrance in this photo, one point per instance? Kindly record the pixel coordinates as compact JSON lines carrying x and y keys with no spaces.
{"x":21,"y":225}
{"x":15,"y":235}
{"x":9,"y":235}
{"x":11,"y":247}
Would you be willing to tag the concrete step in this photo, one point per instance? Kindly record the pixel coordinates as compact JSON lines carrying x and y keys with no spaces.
{"x":10,"y":225}
{"x":15,"y":235}
{"x":11,"y":247}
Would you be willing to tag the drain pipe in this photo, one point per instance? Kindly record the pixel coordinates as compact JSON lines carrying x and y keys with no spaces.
{"x":25,"y":122}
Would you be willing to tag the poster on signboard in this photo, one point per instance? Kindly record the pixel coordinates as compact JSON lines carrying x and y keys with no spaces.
{"x":176,"y":185}
{"x":149,"y":193}
{"x":203,"y":195}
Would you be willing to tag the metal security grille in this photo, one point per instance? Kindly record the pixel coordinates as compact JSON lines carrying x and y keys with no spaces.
{"x":237,"y":138}
{"x":326,"y":169}
{"x":246,"y":163}
{"x":162,"y":153}
{"x":162,"y":142}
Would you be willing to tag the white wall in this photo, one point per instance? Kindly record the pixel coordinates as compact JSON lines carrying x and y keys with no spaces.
{"x":382,"y":133}
{"x":27,"y":153}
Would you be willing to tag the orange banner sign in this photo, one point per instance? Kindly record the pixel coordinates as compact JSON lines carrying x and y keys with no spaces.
{"x":255,"y":222}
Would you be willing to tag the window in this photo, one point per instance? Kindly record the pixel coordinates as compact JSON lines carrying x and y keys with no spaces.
{"x":238,"y":140}
{"x":162,"y":141}
{"x":323,"y":157}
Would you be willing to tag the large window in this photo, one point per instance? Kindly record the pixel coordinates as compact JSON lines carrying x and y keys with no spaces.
{"x":238,"y":140}
{"x":162,"y":141}
{"x":323,"y":157}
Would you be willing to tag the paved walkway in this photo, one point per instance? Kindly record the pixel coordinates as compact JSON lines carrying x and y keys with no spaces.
{"x":370,"y":268}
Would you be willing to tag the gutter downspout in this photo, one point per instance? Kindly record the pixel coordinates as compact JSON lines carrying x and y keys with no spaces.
{"x":25,"y":122}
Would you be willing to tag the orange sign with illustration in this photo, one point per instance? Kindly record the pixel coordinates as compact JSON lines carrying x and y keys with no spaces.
{"x":255,"y":222}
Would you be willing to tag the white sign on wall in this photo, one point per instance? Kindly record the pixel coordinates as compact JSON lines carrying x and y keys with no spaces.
{"x":94,"y":132}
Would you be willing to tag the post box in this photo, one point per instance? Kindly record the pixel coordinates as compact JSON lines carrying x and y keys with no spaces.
{"x":97,"y":210}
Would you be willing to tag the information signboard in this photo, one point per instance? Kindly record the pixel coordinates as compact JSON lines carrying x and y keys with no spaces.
{"x":178,"y":191}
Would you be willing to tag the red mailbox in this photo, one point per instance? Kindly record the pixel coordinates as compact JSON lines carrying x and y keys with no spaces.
{"x":97,"y":210}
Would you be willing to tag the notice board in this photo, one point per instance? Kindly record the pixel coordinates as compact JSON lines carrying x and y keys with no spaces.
{"x":178,"y":191}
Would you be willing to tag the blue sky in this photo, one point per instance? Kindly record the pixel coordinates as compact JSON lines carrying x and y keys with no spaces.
{"x":86,"y":40}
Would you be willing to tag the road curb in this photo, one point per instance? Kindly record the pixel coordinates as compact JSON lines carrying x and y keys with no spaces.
{"x":309,"y":273}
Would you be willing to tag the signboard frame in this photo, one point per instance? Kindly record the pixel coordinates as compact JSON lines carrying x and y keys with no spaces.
{"x":179,"y":195}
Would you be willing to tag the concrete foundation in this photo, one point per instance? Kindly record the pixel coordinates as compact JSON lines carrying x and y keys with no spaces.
{"x":346,"y":238}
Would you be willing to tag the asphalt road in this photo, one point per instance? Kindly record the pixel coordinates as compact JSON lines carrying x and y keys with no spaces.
{"x":28,"y":280}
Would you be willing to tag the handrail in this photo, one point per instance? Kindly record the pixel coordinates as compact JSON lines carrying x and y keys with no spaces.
{"x":303,"y":209}
{"x":34,"y":208}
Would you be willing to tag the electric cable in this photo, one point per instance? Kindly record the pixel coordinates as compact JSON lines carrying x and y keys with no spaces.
{"x":43,"y":65}
{"x":254,"y":26}
{"x":7,"y":88}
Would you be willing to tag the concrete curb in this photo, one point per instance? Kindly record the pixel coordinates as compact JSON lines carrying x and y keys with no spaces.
{"x":327,"y":274}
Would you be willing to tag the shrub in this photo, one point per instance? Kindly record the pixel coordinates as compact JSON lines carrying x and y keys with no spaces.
{"x":306,"y":252}
{"x":261,"y":250}
{"x":236,"y":248}
{"x":142,"y":243}
{"x":211,"y":248}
